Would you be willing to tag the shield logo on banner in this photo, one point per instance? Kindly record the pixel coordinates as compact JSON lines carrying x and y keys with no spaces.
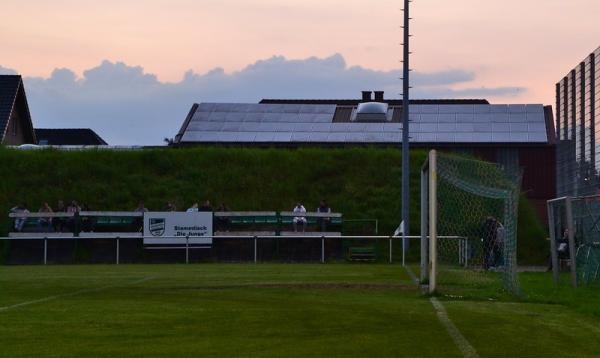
{"x":157,"y":226}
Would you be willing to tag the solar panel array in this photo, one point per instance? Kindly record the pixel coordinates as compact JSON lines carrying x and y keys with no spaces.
{"x":312,"y":123}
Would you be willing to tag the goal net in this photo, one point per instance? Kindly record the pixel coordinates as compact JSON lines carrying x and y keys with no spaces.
{"x":468,"y":223}
{"x":575,"y":238}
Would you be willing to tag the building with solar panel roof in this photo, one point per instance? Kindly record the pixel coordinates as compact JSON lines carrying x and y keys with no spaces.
{"x":513,"y":135}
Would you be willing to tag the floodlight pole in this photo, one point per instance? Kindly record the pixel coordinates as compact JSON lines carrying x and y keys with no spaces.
{"x":405,"y":132}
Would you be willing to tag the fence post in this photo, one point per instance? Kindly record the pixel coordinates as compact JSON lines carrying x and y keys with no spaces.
{"x":572,"y":254}
{"x":117,"y":250}
{"x":390,"y":249}
{"x":187,"y":249}
{"x":553,"y":252}
{"x":45,"y":250}
{"x":255,"y":253}
{"x":322,"y":249}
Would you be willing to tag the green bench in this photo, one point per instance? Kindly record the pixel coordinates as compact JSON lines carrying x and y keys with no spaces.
{"x":362,"y":253}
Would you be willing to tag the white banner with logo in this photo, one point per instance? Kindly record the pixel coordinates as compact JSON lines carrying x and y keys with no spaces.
{"x":173,"y":227}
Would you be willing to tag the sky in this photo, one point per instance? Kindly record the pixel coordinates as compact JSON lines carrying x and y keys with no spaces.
{"x":132,"y":69}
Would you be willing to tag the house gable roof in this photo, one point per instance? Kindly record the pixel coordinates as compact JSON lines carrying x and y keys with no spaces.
{"x":13,"y":98}
{"x":68,"y":136}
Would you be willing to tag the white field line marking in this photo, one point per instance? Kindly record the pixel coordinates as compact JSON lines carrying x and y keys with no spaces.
{"x":50,"y":298}
{"x":461,"y":342}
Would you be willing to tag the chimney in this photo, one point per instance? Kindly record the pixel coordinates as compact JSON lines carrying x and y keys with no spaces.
{"x":366,"y":96}
{"x":378,"y":96}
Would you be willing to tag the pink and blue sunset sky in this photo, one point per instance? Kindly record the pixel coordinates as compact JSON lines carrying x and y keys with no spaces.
{"x":507,"y":51}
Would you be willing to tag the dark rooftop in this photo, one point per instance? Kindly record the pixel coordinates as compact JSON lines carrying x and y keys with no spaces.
{"x":13,"y":98}
{"x":68,"y":136}
{"x":354,"y":102}
{"x":9,"y":87}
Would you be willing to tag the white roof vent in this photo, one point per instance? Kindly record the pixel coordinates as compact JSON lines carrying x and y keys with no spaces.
{"x":371,"y":112}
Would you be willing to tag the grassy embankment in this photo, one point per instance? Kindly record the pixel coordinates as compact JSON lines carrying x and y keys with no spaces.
{"x":362,"y":183}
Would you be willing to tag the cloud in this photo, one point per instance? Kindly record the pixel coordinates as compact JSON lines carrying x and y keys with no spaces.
{"x":126,"y":105}
{"x":7,"y":71}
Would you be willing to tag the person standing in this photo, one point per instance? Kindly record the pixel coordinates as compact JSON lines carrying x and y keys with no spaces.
{"x":206,"y":206}
{"x":489,"y":231}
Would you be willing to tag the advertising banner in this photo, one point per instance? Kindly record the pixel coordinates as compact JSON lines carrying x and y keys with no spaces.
{"x":168,"y":228}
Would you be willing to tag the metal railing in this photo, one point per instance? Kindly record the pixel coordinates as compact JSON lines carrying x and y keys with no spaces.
{"x":187,"y":247}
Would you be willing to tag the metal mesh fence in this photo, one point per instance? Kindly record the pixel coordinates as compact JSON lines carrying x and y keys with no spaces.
{"x":575,"y":235}
{"x":476,"y":223}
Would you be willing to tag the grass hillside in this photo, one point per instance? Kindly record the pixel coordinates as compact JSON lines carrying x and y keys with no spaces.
{"x":362,"y":183}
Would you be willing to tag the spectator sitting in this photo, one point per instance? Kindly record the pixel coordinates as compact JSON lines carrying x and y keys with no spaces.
{"x":59,"y":223}
{"x":72,"y":208}
{"x":206,"y":206}
{"x":20,"y":221}
{"x":170,"y":207}
{"x":193,"y":208}
{"x":141,"y":207}
{"x":87,"y":223}
{"x":223,"y":222}
{"x":324,"y":209}
{"x":299,"y":219}
{"x":138,"y":223}
{"x":45,"y":221}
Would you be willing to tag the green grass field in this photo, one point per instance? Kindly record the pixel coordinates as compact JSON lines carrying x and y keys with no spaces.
{"x":280,"y":310}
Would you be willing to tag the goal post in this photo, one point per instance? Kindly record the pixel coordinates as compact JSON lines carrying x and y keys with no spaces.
{"x":468,"y":223}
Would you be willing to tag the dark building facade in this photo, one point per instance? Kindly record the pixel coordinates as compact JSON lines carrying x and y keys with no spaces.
{"x":577,"y":129}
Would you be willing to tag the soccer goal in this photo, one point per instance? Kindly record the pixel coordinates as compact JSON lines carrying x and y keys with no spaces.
{"x":468,"y":223}
{"x":574,"y":224}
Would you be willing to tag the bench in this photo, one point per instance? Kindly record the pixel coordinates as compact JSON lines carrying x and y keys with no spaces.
{"x":312,"y":218}
{"x":362,"y":253}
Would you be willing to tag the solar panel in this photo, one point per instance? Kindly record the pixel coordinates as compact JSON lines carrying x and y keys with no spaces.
{"x":318,"y":137}
{"x":465,"y":117}
{"x":500,"y":137}
{"x":446,"y":127}
{"x":447,"y":117}
{"x":537,"y":127}
{"x":282,"y":137}
{"x":429,"y":118}
{"x":517,"y":117}
{"x":321,"y":127}
{"x":518,"y":127}
{"x":499,"y":108}
{"x":517,"y":108}
{"x":500,"y":127}
{"x":231,"y":122}
{"x":537,"y":137}
{"x":519,"y":137}
{"x":246,"y":137}
{"x":336,"y":137}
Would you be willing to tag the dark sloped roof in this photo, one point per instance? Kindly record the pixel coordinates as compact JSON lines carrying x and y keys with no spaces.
{"x":9,"y":87}
{"x":68,"y":136}
{"x":355,"y":102}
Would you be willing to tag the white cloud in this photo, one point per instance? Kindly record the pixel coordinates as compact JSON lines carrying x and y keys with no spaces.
{"x":125,"y":105}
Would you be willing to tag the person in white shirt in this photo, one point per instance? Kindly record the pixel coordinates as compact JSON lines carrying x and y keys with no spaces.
{"x":20,"y":221}
{"x":299,"y":219}
{"x":193,"y":209}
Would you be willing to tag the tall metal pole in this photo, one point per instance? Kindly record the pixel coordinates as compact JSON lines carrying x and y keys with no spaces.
{"x":405,"y":128}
